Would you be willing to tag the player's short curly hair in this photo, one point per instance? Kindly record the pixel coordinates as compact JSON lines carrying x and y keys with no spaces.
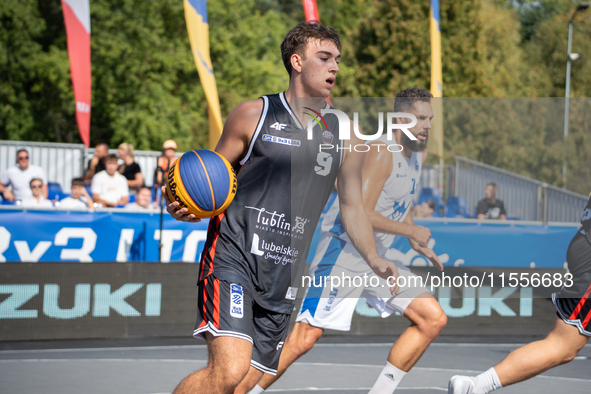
{"x":406,"y":98}
{"x":296,"y":40}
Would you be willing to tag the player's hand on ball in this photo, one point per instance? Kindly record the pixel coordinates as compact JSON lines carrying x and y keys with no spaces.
{"x":421,"y":235}
{"x":182,"y":214}
{"x":386,"y":270}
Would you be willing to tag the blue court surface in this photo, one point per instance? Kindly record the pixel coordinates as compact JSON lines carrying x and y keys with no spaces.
{"x":335,"y":365}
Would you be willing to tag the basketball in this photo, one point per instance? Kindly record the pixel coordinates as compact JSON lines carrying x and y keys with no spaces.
{"x":203,"y":181}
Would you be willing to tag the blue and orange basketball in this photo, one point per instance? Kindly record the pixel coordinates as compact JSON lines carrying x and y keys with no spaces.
{"x":203,"y":181}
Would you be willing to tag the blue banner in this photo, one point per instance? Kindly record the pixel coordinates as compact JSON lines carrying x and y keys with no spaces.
{"x":43,"y":236}
{"x":38,"y":236}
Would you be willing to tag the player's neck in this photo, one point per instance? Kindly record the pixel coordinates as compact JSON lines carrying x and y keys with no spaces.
{"x":298,"y":99}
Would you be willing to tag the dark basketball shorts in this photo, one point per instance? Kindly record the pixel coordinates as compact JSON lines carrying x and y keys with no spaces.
{"x":573,"y":304}
{"x":228,"y":309}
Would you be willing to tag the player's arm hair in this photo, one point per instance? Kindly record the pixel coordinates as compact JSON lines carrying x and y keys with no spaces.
{"x":239,"y":130}
{"x":353,"y":214}
{"x":377,"y":167}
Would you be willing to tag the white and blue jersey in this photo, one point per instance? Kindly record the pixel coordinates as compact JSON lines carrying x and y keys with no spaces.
{"x":394,"y":202}
{"x":330,"y":305}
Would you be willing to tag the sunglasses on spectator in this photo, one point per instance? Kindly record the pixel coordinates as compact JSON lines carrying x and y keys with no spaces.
{"x":36,"y":186}
{"x":23,"y":158}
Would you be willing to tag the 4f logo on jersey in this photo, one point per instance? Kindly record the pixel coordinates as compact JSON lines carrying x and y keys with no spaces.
{"x":278,"y":126}
{"x":236,"y":301}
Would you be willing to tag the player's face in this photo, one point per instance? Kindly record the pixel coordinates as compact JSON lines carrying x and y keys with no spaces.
{"x":320,"y":68}
{"x":424,"y":113}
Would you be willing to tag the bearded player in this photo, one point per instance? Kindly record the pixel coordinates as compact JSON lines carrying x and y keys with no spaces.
{"x":390,"y":180}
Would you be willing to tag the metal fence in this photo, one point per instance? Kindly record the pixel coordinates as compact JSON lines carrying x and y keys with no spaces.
{"x":62,"y":162}
{"x":524,"y":198}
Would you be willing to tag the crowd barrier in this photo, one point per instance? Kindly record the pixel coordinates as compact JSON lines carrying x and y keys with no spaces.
{"x":114,"y":297}
{"x":119,"y":235}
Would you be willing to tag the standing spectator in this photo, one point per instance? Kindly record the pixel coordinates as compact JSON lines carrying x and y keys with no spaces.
{"x":490,"y":207}
{"x":79,"y":197}
{"x":97,"y":163}
{"x":109,"y":188}
{"x":130,"y":169}
{"x":164,"y":161}
{"x":20,"y":176}
{"x":143,"y":199}
{"x":37,"y":200}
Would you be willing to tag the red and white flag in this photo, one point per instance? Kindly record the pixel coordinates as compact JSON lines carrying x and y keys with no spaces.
{"x":77,"y":18}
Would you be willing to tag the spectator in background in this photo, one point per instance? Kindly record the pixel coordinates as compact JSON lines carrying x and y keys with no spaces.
{"x":79,"y":197}
{"x":164,"y":161}
{"x":130,"y":169}
{"x":109,"y":188}
{"x":20,"y":176}
{"x":37,"y":200}
{"x":97,"y":163}
{"x":143,"y":199}
{"x":424,"y":210}
{"x":490,"y":207}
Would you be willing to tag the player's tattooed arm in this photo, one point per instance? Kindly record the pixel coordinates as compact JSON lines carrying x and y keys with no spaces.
{"x":355,"y":219}
{"x":377,"y":167}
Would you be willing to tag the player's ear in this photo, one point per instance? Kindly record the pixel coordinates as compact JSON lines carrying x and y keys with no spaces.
{"x":296,"y":62}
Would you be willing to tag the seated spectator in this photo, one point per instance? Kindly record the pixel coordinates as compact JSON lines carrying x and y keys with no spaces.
{"x":490,"y":207}
{"x":79,"y":197}
{"x":109,"y":188}
{"x":143,"y":199}
{"x":424,"y":210}
{"x":19,"y":177}
{"x":97,"y":163}
{"x":130,"y":169}
{"x":37,"y":200}
{"x":164,"y":161}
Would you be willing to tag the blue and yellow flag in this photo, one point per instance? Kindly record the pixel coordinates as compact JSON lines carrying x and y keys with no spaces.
{"x":198,"y":28}
{"x":435,"y":144}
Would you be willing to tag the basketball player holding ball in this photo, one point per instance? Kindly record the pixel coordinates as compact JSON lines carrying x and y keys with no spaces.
{"x":256,"y":250}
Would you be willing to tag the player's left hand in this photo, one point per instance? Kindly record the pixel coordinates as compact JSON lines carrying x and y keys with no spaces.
{"x":428,"y":253}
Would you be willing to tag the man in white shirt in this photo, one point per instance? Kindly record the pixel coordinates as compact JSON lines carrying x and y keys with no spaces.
{"x":79,"y":197}
{"x":20,"y":176}
{"x":37,"y":200}
{"x":109,"y":188}
{"x":143,"y":200}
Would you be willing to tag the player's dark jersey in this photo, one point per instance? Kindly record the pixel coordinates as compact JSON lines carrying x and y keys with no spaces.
{"x":262,"y":240}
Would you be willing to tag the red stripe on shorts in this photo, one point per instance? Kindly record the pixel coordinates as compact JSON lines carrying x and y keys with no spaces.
{"x":215,"y":241}
{"x":216,"y":303}
{"x":580,"y":305}
{"x":586,"y":321}
{"x":205,"y":299}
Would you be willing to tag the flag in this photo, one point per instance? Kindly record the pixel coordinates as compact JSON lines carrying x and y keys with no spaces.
{"x":435,"y":144}
{"x":77,"y":20}
{"x":310,"y":10}
{"x":198,"y":28}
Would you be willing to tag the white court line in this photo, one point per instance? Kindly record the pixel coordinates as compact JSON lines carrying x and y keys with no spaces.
{"x":135,"y":360}
{"x":173,"y":347}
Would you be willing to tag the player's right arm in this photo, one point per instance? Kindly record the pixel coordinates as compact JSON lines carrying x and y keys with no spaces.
{"x":233,"y":145}
{"x":377,"y":167}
